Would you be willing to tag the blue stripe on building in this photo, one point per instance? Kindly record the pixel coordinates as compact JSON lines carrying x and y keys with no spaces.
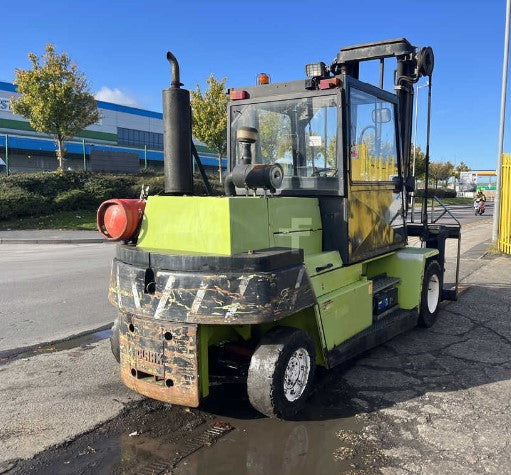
{"x":7,"y":86}
{"x":26,"y":143}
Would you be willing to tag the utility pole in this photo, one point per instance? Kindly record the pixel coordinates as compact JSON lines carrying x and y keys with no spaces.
{"x":496,"y":210}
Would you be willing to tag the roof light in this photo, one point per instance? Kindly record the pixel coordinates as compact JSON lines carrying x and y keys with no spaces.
{"x":315,"y":70}
{"x":237,"y":95}
{"x":263,"y":78}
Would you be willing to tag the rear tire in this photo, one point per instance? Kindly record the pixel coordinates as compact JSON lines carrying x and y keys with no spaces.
{"x":430,"y":294}
{"x":114,"y":341}
{"x":281,"y":372}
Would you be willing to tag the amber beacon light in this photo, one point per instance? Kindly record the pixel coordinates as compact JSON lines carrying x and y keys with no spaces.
{"x":263,"y":78}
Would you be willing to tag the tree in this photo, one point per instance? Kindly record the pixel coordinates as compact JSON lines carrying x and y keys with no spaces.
{"x":209,"y":118}
{"x":439,"y":171}
{"x":274,"y":135}
{"x":462,"y":167}
{"x":420,"y":162}
{"x":55,"y":98}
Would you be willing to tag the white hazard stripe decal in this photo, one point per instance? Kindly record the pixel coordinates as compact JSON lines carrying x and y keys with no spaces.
{"x":244,"y":281}
{"x":119,"y":301}
{"x":165,"y":296}
{"x":134,"y":290}
{"x":199,"y":297}
{"x":298,"y":283}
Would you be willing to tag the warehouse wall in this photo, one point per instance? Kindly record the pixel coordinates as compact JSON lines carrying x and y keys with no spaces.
{"x":123,"y":162}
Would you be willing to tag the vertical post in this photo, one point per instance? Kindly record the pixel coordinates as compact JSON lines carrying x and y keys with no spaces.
{"x":424,"y":216}
{"x":145,"y":157}
{"x":382,"y":66}
{"x":496,"y":203}
{"x":84,"y":156}
{"x":415,"y":148}
{"x":7,"y":154}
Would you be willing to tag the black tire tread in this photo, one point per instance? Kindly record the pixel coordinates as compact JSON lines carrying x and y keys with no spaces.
{"x":266,"y":366}
{"x":426,"y":318}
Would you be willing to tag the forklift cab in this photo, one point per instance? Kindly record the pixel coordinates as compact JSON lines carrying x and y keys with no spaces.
{"x":336,"y":140}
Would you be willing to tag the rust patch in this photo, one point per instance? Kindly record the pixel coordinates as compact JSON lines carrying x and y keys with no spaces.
{"x":159,"y":359}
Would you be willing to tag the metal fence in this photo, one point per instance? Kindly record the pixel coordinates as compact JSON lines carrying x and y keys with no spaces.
{"x":505,"y":205}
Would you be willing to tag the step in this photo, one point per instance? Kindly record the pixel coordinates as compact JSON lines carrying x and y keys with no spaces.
{"x":382,"y":282}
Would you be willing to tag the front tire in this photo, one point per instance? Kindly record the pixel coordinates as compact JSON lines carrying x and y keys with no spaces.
{"x":281,"y":372}
{"x":430,"y":294}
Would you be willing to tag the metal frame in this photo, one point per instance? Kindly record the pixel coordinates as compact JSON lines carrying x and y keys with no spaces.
{"x":381,"y":94}
{"x":299,"y":94}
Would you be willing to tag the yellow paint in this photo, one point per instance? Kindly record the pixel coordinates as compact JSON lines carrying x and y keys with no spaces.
{"x":365,"y":167}
{"x":504,"y":240}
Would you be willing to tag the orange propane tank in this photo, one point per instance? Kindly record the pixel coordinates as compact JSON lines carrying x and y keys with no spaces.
{"x":118,"y":219}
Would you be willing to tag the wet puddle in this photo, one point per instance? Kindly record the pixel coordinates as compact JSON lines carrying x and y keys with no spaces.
{"x":322,"y":440}
{"x":226,"y":436}
{"x":82,"y":341}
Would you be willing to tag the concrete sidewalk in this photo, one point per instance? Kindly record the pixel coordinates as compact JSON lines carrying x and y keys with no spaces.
{"x":50,"y":236}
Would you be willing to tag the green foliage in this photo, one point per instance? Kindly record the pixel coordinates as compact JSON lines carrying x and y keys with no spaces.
{"x":209,"y":118}
{"x":439,"y":192}
{"x":274,"y":135}
{"x":37,"y":194}
{"x":440,"y":171}
{"x":16,"y":201}
{"x":73,"y":200}
{"x":420,"y":162}
{"x":83,"y":219}
{"x":55,"y":98}
{"x":101,"y":187}
{"x":462,"y":167}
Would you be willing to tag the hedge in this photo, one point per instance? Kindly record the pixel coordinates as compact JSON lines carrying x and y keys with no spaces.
{"x":439,"y":192}
{"x":37,"y":194}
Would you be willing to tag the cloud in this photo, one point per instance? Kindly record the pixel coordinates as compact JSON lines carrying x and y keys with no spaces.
{"x":116,"y":96}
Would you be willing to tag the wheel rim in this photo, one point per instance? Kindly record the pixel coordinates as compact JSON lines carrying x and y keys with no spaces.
{"x":433,"y":292}
{"x":297,"y":374}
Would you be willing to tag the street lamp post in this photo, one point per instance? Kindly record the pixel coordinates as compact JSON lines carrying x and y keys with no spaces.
{"x":496,"y":202}
{"x":415,"y":141}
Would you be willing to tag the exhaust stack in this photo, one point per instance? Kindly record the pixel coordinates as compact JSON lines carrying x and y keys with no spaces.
{"x":177,"y":135}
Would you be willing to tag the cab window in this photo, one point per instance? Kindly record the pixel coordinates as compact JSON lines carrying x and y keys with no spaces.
{"x":373,"y":151}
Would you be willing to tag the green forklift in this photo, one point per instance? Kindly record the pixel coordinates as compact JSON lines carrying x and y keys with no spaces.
{"x":304,"y":262}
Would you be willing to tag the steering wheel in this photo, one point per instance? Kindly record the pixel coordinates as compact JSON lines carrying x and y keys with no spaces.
{"x":364,"y":130}
{"x":329,"y":172}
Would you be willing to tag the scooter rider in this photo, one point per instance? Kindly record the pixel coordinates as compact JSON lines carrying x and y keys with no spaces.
{"x":481,"y":200}
{"x":481,"y":196}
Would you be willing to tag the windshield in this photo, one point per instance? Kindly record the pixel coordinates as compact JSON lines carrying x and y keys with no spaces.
{"x":298,"y":134}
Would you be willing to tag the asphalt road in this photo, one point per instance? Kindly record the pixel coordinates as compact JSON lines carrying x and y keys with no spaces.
{"x":429,"y":401}
{"x":463,"y":213}
{"x":51,"y":292}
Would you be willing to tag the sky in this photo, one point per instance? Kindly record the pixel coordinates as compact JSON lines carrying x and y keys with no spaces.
{"x":121,"y":45}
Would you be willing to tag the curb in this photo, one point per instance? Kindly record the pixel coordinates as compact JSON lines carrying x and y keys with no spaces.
{"x":52,"y":241}
{"x":7,"y":355}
